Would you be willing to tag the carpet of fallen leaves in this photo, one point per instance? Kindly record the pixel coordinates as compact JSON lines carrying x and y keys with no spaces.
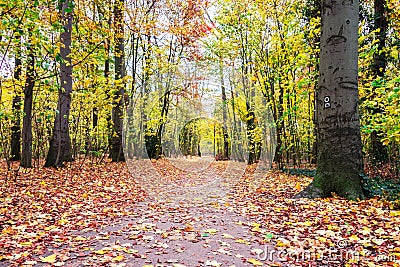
{"x":97,"y":215}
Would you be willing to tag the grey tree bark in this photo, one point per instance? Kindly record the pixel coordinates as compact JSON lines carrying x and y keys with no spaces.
{"x":225,"y":150}
{"x":339,"y":162}
{"x":26,"y":158}
{"x":60,"y":143}
{"x":15,"y":153}
{"x":116,"y":149}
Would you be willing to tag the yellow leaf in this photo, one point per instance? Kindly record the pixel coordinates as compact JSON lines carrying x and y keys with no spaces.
{"x":80,"y":238}
{"x":281,"y":242}
{"x":378,"y":241}
{"x":354,"y":238}
{"x":256,"y":227}
{"x":242,"y":241}
{"x":213,"y":263}
{"x":26,"y":243}
{"x":366,"y":231}
{"x":255,"y":262}
{"x":308,"y":223}
{"x":211,"y":231}
{"x":227,"y":236}
{"x":62,"y":221}
{"x":118,"y":258}
{"x":8,"y":230}
{"x":297,"y":186}
{"x":101,"y":251}
{"x":395,"y":213}
{"x":50,"y":259}
{"x":380,"y":231}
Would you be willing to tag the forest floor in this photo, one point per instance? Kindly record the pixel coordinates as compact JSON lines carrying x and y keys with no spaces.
{"x":98,"y":215}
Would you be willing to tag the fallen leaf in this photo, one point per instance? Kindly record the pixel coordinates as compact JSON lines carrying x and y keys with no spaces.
{"x":50,"y":259}
{"x":213,"y":263}
{"x":255,"y":262}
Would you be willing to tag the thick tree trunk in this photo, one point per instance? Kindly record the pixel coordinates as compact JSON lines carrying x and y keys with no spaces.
{"x":15,"y":153}
{"x":339,"y":163}
{"x":116,"y":150}
{"x":26,"y":159}
{"x":60,"y":143}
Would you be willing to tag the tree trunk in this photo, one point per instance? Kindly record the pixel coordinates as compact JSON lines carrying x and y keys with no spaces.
{"x":60,"y":143}
{"x":15,"y":153}
{"x":236,"y":144}
{"x":116,"y":150}
{"x":377,"y":149}
{"x":380,"y":24}
{"x":107,"y":76}
{"x":26,"y":159}
{"x":339,"y":162}
{"x":253,"y":143}
{"x":225,"y":150}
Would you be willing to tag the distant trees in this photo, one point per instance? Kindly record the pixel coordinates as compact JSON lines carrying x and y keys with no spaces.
{"x":158,"y":55}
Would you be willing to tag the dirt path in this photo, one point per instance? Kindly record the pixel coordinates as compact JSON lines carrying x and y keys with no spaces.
{"x":99,"y":216}
{"x":161,"y":235}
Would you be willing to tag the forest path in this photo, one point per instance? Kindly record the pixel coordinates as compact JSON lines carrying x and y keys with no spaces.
{"x":196,"y":222}
{"x":97,"y":215}
{"x":186,"y":235}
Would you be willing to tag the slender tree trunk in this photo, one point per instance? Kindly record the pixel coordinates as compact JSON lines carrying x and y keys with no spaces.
{"x":377,"y":149}
{"x":280,"y":125}
{"x":15,"y":153}
{"x":116,"y":150}
{"x":106,"y":76}
{"x":26,"y":159}
{"x":236,"y":144}
{"x":313,"y":10}
{"x":60,"y":143}
{"x":251,"y":127}
{"x":225,"y":150}
{"x":95,"y":121}
{"x":340,"y":162}
{"x":145,"y":130}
